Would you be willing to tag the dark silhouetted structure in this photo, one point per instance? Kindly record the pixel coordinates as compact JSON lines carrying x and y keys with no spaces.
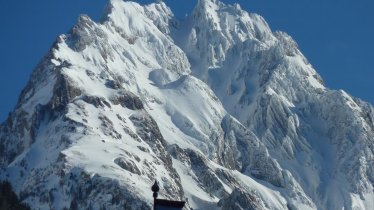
{"x":161,"y":204}
{"x":8,"y":199}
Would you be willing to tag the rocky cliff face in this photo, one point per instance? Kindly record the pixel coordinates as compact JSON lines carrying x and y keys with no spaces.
{"x":217,"y":107}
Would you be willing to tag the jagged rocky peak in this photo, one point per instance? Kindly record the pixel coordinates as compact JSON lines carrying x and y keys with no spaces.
{"x":127,"y":15}
{"x":218,"y":108}
{"x":214,"y":28}
{"x":222,"y":17}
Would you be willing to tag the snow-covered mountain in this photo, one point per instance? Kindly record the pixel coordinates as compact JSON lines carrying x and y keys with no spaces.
{"x":223,"y":112}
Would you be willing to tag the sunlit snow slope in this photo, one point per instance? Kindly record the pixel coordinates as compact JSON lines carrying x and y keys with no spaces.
{"x":223,"y":112}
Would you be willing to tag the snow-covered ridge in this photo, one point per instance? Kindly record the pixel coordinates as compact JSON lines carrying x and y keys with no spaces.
{"x":217,"y":107}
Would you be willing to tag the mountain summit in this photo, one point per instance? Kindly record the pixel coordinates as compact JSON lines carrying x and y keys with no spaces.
{"x":223,"y":112}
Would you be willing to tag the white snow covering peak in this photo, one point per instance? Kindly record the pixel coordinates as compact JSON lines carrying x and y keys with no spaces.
{"x":223,"y":112}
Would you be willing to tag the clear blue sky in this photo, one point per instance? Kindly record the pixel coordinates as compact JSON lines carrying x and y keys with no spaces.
{"x":335,"y":35}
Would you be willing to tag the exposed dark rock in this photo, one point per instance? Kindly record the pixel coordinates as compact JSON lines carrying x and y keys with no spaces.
{"x":41,"y":75}
{"x":128,"y":165}
{"x":113,"y":84}
{"x":148,"y":131}
{"x":37,"y":117}
{"x":227,"y":178}
{"x":128,"y":100}
{"x":241,"y":200}
{"x":21,"y":129}
{"x":90,"y":73}
{"x":87,"y":192}
{"x":64,"y":92}
{"x":251,"y":155}
{"x":107,"y":127}
{"x":143,"y":149}
{"x":82,"y":33}
{"x":96,"y":101}
{"x":8,"y":199}
{"x":179,"y":154}
{"x":203,"y":172}
{"x":132,"y":134}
